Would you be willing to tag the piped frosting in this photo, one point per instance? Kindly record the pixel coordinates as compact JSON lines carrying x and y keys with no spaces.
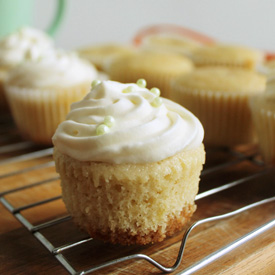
{"x":53,"y":68}
{"x":140,"y":131}
{"x":14,"y":47}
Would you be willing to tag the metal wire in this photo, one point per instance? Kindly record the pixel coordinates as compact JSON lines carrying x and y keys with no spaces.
{"x":57,"y":252}
{"x":28,"y":156}
{"x":214,"y":256}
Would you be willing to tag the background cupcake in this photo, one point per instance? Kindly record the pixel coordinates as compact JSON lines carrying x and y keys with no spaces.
{"x":13,"y":49}
{"x":157,"y":68}
{"x":129,"y":163}
{"x":41,"y":90}
{"x":219,"y":98}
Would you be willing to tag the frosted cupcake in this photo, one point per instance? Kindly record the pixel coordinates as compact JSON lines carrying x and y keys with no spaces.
{"x":157,"y":68}
{"x":129,"y":163}
{"x":263,"y":113}
{"x":219,"y":98}
{"x":41,"y":90}
{"x":13,"y":49}
{"x":227,"y":55}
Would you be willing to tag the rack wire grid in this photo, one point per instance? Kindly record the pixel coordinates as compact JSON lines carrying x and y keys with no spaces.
{"x":233,"y":183}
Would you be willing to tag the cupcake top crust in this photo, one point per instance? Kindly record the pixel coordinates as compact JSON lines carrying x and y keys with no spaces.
{"x":52,"y":69}
{"x":126,"y":123}
{"x":227,"y":55}
{"x":14,"y":46}
{"x":221,"y":79}
{"x":154,"y":61}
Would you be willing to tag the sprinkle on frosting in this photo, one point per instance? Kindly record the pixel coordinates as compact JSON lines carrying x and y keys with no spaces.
{"x":155,"y":91}
{"x":109,"y":121}
{"x":142,"y":83}
{"x":102,"y":129}
{"x":95,"y":82}
{"x":119,"y":127}
{"x":157,"y":101}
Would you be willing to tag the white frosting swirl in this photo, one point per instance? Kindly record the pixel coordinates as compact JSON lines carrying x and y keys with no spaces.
{"x":53,"y":68}
{"x":141,"y":132}
{"x":14,"y":47}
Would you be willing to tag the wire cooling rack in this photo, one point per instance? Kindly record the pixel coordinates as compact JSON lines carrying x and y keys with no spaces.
{"x":235,"y":184}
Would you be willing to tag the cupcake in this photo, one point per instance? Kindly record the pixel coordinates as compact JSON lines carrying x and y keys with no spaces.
{"x":102,"y":55}
{"x":41,"y":90}
{"x":157,"y":68}
{"x":13,"y":49}
{"x":263,"y":114}
{"x":227,"y":55}
{"x":129,"y":163}
{"x":219,"y":98}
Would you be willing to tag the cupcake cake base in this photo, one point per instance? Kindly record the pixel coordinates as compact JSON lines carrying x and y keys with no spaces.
{"x":131,"y":203}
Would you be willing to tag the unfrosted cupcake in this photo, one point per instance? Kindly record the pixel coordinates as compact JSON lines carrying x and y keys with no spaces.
{"x":227,"y":55}
{"x":129,"y":163}
{"x":263,"y":113}
{"x":41,"y":90}
{"x":102,"y":55}
{"x":13,"y":49}
{"x":157,"y":68}
{"x":219,"y":98}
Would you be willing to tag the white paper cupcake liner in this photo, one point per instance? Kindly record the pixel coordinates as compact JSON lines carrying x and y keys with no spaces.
{"x":225,"y":116}
{"x":37,"y":112}
{"x":263,"y":113}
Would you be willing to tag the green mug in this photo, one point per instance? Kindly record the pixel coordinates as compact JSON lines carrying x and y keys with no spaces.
{"x":18,"y":13}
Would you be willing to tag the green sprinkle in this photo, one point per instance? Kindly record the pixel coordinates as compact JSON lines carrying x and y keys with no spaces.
{"x":155,"y":91}
{"x":102,"y":129}
{"x":156,"y":102}
{"x":141,"y":83}
{"x":95,"y":82}
{"x":129,"y":89}
{"x":109,"y":121}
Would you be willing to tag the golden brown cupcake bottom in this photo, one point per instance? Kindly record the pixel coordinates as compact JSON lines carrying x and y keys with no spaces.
{"x":175,"y":224}
{"x":131,"y":203}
